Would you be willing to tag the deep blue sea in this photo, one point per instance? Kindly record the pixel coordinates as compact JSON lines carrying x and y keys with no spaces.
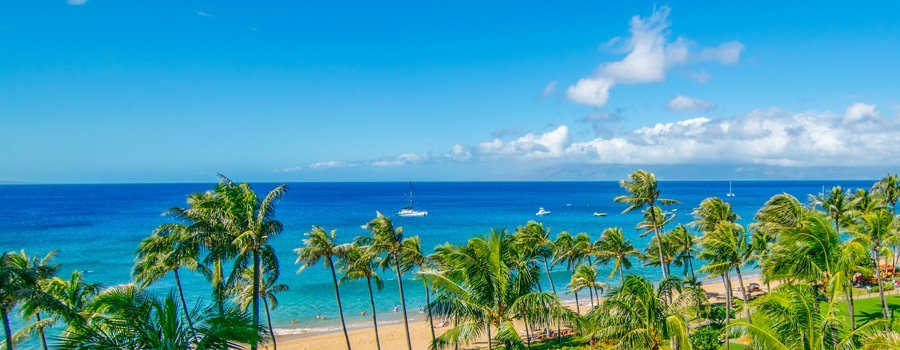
{"x":96,"y":228}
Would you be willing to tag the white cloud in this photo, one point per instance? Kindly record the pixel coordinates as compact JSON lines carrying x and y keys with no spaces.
{"x":326,"y":165}
{"x":649,"y":56}
{"x":590,"y":91}
{"x":76,"y":2}
{"x":859,"y":111}
{"x":683,"y":103}
{"x":551,"y":144}
{"x":203,"y":14}
{"x":765,"y":137}
{"x":549,"y":89}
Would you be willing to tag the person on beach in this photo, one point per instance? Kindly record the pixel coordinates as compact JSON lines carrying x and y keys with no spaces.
{"x":363,"y":313}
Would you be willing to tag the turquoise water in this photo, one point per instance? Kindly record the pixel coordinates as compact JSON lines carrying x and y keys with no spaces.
{"x":97,"y":227}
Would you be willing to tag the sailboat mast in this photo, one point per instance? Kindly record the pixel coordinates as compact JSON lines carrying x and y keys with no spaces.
{"x":410,"y":195}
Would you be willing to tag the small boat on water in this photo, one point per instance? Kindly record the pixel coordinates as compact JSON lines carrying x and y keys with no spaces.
{"x":542,"y":212}
{"x":599,"y":214}
{"x":730,"y":193}
{"x":409,"y":211}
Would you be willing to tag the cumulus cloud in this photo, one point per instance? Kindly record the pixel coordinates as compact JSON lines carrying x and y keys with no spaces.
{"x":683,"y":103}
{"x":859,"y":111}
{"x":764,"y":137}
{"x":649,"y":55}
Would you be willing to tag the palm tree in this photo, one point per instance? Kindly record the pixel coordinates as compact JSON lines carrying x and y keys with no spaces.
{"x":725,"y":248}
{"x":125,"y":317}
{"x":586,"y":277}
{"x":793,"y":319}
{"x":320,"y":245}
{"x":357,"y":264}
{"x":388,"y":240}
{"x":167,"y":250}
{"x":669,"y":253}
{"x":251,"y":221}
{"x":815,"y":253}
{"x":643,"y":191}
{"x":877,"y":226}
{"x":268,"y":289}
{"x":568,"y":251}
{"x":534,"y":236}
{"x":411,"y":256}
{"x":74,"y":296}
{"x":683,"y":243}
{"x":613,"y":246}
{"x":34,"y":303}
{"x":18,"y":282}
{"x":636,"y":315}
{"x":206,"y":220}
{"x":781,"y":212}
{"x":483,"y":287}
{"x":888,"y":190}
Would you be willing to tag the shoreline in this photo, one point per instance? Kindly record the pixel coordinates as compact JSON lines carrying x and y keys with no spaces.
{"x":394,"y":336}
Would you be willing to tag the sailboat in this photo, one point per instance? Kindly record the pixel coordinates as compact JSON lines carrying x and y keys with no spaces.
{"x":409,"y":211}
{"x":730,"y":193}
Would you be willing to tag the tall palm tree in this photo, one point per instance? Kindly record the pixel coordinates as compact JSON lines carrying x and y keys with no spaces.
{"x":724,"y":249}
{"x":568,"y":251}
{"x":412,"y":256}
{"x":683,"y":242}
{"x":268,"y":288}
{"x":888,"y":190}
{"x":585,"y":276}
{"x":18,"y":282}
{"x":534,"y":236}
{"x":167,"y":250}
{"x":636,"y":315}
{"x":613,"y":246}
{"x":669,"y":252}
{"x":484,"y":288}
{"x":357,"y":263}
{"x":251,"y":221}
{"x":388,"y":240}
{"x":877,"y":226}
{"x":34,"y":303}
{"x":206,"y":220}
{"x":320,"y":245}
{"x":74,"y":294}
{"x":643,"y":192}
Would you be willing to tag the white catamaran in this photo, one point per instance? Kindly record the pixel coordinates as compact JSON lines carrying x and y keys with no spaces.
{"x":409,"y":211}
{"x":730,"y":193}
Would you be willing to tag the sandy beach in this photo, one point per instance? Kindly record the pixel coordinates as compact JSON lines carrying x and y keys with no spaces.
{"x":393,"y":336}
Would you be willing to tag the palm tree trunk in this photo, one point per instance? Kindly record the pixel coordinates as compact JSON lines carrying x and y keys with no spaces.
{"x":41,"y":332}
{"x":658,"y":242}
{"x":403,"y":302}
{"x":621,"y":274}
{"x":187,"y":313}
{"x":727,"y":280}
{"x":577,"y":303}
{"x":337,"y":295}
{"x":269,"y":320}
{"x":374,"y":317}
{"x":6,"y":328}
{"x":253,"y":344}
{"x":591,"y":295}
{"x":850,"y":308}
{"x":527,"y":333}
{"x":553,"y":288}
{"x":744,"y":293}
{"x":489,"y":339}
{"x":884,"y":307}
{"x":220,"y":287}
{"x":541,"y":290}
{"x":428,"y":308}
{"x":549,"y":279}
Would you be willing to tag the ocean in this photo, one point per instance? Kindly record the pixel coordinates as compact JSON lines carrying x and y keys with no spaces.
{"x":97,"y":227}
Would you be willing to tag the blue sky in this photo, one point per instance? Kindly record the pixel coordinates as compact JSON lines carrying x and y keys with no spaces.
{"x":163,"y":91}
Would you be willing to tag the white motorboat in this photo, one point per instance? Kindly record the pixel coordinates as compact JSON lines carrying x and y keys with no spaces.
{"x":409,"y":211}
{"x":542,"y":212}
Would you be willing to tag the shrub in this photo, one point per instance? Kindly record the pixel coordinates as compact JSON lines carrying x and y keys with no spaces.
{"x":706,"y":337}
